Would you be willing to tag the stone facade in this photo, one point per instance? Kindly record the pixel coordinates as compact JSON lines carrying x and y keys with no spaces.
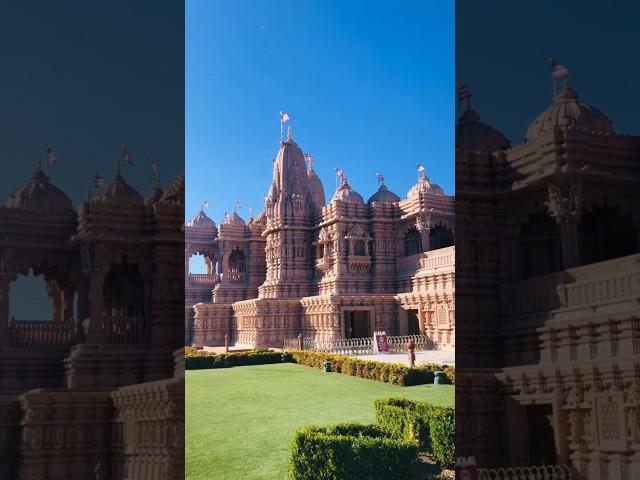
{"x":96,"y":390}
{"x":548,"y":282}
{"x":342,"y":269}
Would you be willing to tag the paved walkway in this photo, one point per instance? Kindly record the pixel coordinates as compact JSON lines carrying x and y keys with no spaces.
{"x":443,"y":357}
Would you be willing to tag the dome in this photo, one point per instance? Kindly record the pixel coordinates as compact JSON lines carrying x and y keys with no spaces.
{"x":201,"y":221}
{"x":39,"y":195}
{"x":472,"y":135}
{"x":120,"y":194}
{"x":568,"y":110}
{"x":346,"y":194}
{"x":425,"y":187}
{"x":384,"y":195}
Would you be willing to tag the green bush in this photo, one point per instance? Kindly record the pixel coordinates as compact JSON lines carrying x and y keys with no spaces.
{"x":350,"y":451}
{"x":395,"y":373}
{"x":195,"y":359}
{"x":431,"y":425}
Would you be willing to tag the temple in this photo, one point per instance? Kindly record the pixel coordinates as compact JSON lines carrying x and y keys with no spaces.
{"x":341,"y":269}
{"x":94,"y":388}
{"x":547,"y":293}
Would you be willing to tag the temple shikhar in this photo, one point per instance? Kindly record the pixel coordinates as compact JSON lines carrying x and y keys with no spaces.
{"x":327,"y":270}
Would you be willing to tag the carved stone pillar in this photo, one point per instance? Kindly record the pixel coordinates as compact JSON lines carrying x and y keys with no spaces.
{"x":83,"y":299}
{"x":68,"y":293}
{"x":95,"y":262}
{"x":566,"y":208}
{"x":96,"y":307}
{"x":5,"y":283}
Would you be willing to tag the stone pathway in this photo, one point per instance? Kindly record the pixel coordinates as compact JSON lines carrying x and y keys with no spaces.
{"x":443,"y":357}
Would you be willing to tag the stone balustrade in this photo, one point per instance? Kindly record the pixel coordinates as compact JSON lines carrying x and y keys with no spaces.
{"x":32,"y":333}
{"x":540,"y":472}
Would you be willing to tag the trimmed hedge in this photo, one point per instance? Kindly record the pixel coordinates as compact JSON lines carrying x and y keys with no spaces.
{"x":195,"y":359}
{"x":395,"y":373}
{"x":350,"y":451}
{"x":431,"y":425}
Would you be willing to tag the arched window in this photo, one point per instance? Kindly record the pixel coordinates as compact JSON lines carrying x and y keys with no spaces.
{"x":28,"y":298}
{"x":440,"y":237}
{"x":237,"y":261}
{"x":359,"y":248}
{"x":197,"y":264}
{"x":412,"y":242}
{"x":605,"y":234}
{"x":540,"y":247}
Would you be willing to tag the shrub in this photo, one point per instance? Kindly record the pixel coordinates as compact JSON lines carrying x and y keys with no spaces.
{"x":395,"y":373}
{"x":431,"y":425}
{"x":350,"y":451}
{"x":198,"y":360}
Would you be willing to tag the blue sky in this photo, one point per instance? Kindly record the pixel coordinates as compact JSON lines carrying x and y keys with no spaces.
{"x":369,"y":86}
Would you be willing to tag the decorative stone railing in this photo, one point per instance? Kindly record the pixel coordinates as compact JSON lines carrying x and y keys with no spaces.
{"x":233,"y":277}
{"x":433,"y":259}
{"x":32,"y":333}
{"x":541,"y":472}
{"x":122,"y":329}
{"x":359,"y":263}
{"x":202,"y":278}
{"x":360,"y":346}
{"x":598,"y":283}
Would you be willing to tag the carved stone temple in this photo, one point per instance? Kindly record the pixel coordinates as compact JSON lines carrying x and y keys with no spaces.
{"x":96,"y":387}
{"x":548,"y":293}
{"x":326,"y":270}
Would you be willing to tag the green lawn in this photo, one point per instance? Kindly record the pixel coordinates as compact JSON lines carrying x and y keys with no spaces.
{"x":240,"y":421}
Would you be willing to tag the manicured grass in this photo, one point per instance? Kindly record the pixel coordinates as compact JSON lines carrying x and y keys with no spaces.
{"x":240,"y":421}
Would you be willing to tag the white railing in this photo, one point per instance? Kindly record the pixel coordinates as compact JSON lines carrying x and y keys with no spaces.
{"x":31,"y":333}
{"x":360,"y":346}
{"x":540,"y":472}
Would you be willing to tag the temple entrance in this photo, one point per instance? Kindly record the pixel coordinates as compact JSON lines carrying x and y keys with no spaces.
{"x":413,"y":322}
{"x":357,"y":324}
{"x":541,"y":451}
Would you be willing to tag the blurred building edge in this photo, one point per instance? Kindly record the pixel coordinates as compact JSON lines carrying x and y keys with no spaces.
{"x":547,"y":293}
{"x":342,"y":269}
{"x":102,"y":380}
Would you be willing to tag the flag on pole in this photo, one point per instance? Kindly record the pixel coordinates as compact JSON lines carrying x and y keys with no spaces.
{"x":380,"y":178}
{"x":339,"y":173}
{"x":126,"y":156}
{"x":462,"y":91}
{"x":284,"y":117}
{"x":557,"y":69}
{"x":205,"y":205}
{"x":51,"y":156}
{"x":98,"y":181}
{"x":237,"y":206}
{"x":420,"y":168}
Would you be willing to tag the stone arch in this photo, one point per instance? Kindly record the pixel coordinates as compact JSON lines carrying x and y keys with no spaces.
{"x":124,"y":303}
{"x":412,"y":241}
{"x":440,"y":236}
{"x":606,"y":232}
{"x":30,"y":297}
{"x":540,"y":250}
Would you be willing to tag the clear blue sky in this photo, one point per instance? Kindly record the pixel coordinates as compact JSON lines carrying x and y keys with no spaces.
{"x":370,"y":87}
